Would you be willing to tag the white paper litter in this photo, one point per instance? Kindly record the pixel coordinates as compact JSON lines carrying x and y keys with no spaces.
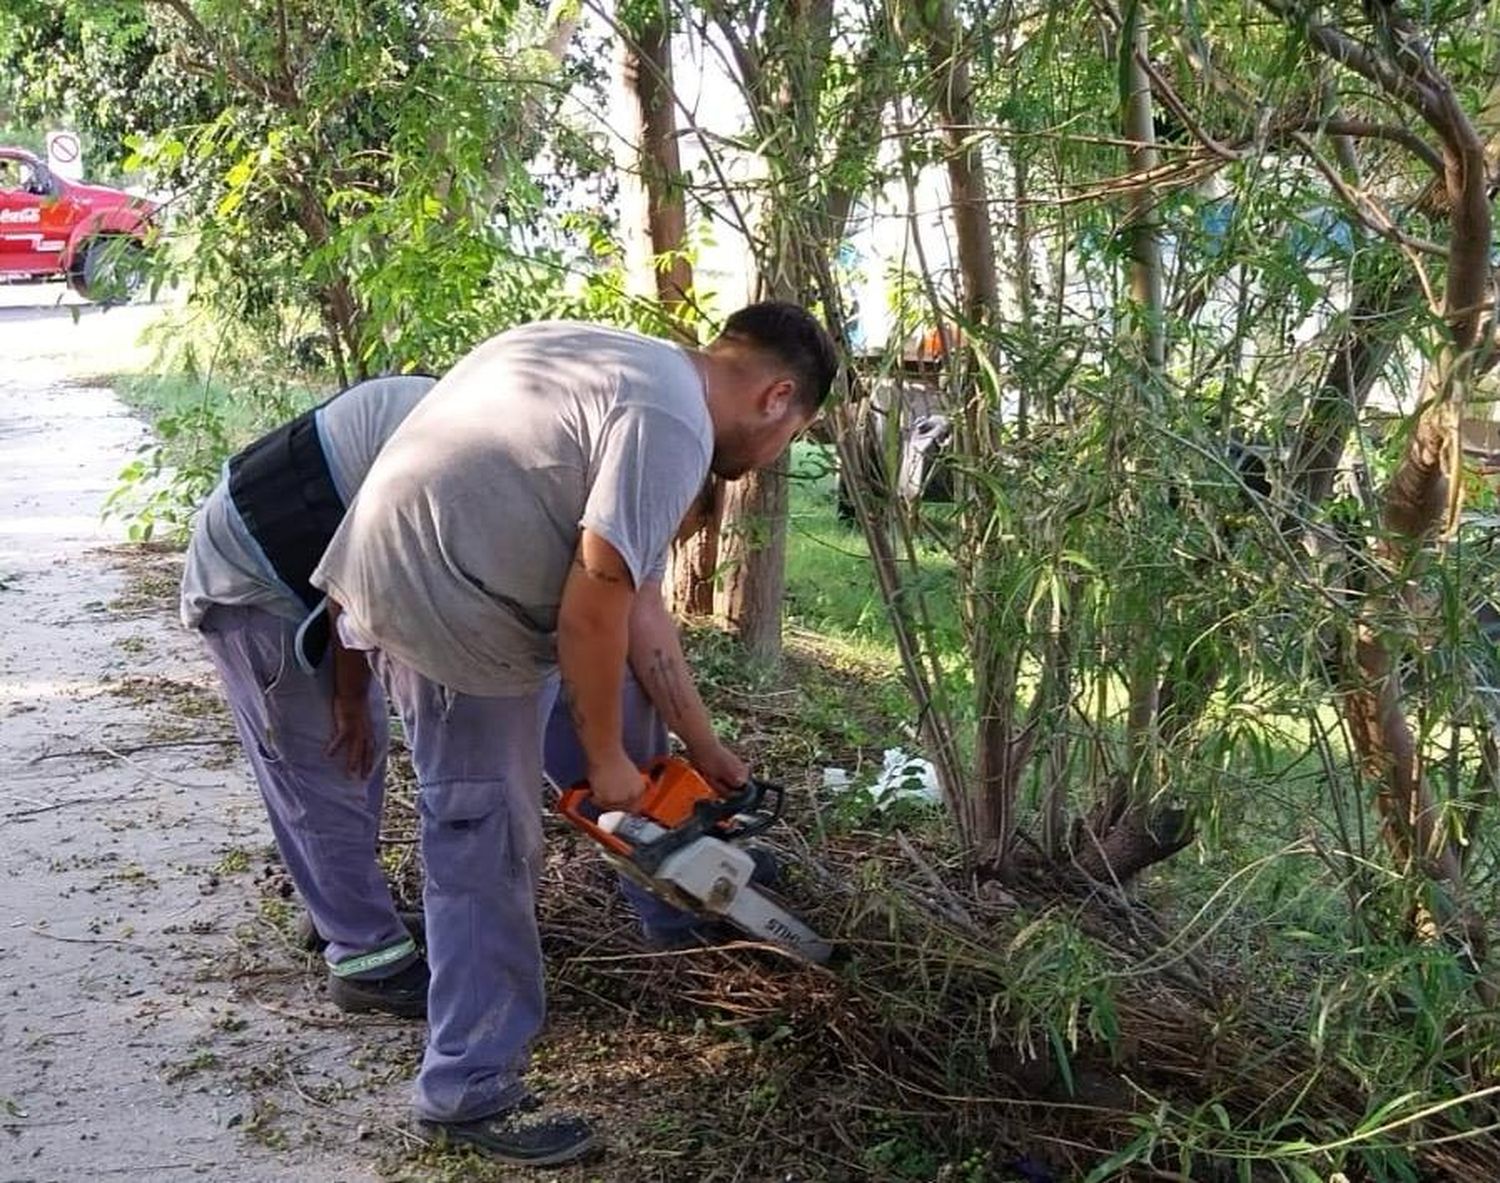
{"x":902,"y":777}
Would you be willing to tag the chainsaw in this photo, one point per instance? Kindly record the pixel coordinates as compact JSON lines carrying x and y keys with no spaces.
{"x":682,"y":845}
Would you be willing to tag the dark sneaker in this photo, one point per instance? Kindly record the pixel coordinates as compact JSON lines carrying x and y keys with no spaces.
{"x":403,"y":994}
{"x":512,"y":1138}
{"x":308,"y":937}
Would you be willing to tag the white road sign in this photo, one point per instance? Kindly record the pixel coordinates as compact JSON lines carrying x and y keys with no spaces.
{"x":65,"y":154}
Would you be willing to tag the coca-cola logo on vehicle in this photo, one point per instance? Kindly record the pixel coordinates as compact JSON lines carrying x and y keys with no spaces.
{"x":20,"y":215}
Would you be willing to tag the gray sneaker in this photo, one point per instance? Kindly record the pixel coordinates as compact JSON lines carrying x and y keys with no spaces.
{"x":513,"y":1138}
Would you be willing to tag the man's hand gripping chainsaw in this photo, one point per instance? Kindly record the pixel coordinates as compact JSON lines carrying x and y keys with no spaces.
{"x":682,"y":846}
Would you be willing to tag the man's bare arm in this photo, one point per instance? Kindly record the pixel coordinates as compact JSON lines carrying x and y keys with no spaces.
{"x":351,"y":686}
{"x":593,"y":633}
{"x":656,"y":657}
{"x":660,"y":666}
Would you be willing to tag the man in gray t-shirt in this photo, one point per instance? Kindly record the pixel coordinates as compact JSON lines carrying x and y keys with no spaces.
{"x":313,"y":725}
{"x":516,"y":523}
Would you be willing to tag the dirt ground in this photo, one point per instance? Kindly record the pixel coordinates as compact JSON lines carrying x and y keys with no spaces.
{"x":149,"y":999}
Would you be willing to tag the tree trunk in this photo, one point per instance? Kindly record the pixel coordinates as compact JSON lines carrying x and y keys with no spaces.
{"x":1358,"y":358}
{"x":695,"y":555}
{"x":1149,"y":331}
{"x":1142,"y":157}
{"x":753,"y":537}
{"x":1422,"y":499}
{"x":1001,"y":746}
{"x":784,"y":83}
{"x":968,"y":186}
{"x":648,"y":76}
{"x":1115,"y":848}
{"x":1129,"y":830}
{"x":341,"y":311}
{"x":754,"y":550}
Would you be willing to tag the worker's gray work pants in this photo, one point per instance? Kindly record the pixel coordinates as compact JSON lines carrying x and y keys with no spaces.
{"x":324,"y":820}
{"x":645,"y":738}
{"x":479,"y":763}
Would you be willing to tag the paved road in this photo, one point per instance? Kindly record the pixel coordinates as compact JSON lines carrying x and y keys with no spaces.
{"x":152,"y":1025}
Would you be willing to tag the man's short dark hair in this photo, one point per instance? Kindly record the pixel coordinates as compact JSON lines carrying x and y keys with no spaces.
{"x":793,"y":336}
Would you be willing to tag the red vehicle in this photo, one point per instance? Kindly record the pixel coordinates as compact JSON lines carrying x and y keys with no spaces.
{"x":93,"y":236}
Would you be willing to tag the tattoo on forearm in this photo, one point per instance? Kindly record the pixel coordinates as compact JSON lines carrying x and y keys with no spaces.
{"x":595,"y":572}
{"x":666,"y":674}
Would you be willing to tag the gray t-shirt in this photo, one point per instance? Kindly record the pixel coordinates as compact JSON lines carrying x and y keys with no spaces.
{"x":454,"y":555}
{"x":224,"y":562}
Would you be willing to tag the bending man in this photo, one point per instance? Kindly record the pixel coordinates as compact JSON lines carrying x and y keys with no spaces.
{"x":310,"y":717}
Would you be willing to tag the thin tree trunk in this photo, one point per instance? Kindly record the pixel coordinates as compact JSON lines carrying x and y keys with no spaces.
{"x":785,"y":104}
{"x":1128,"y":830}
{"x":1147,"y":305}
{"x":695,"y":555}
{"x":1025,"y":299}
{"x":990,"y":805}
{"x":753,"y":537}
{"x":342,"y":314}
{"x":1145,"y":234}
{"x":968,"y":185}
{"x":1357,"y":360}
{"x":648,"y":76}
{"x":754,"y":549}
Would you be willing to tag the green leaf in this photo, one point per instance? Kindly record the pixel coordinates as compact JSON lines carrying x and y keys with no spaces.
{"x":1135,"y":1151}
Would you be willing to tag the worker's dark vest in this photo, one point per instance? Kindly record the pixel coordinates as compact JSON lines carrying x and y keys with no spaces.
{"x":285,"y":495}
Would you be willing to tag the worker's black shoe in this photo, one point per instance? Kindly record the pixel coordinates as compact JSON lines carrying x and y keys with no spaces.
{"x":403,"y":994}
{"x":308,"y":937}
{"x":511,"y":1137}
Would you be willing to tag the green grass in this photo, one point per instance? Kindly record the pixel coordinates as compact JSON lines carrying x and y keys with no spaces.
{"x":831,"y":587}
{"x":244,"y":413}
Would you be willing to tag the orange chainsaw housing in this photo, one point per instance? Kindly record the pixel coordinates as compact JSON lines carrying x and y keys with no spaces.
{"x":673,"y":788}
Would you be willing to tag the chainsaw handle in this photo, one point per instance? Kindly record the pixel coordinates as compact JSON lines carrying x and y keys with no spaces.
{"x":750,"y":801}
{"x":568,"y":805}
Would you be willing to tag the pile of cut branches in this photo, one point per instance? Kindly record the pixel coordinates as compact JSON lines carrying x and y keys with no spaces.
{"x":1045,"y":1031}
{"x":936,"y":1011}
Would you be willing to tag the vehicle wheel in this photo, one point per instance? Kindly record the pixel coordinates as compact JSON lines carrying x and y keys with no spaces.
{"x":112,"y":269}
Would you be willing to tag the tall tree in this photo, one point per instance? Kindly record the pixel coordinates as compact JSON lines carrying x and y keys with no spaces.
{"x":800,"y":83}
{"x":1001,"y":743}
{"x":646,"y":49}
{"x":782,"y":64}
{"x":361,"y":159}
